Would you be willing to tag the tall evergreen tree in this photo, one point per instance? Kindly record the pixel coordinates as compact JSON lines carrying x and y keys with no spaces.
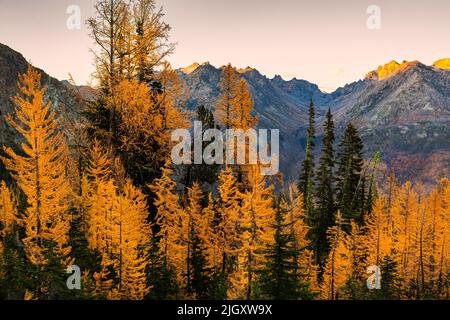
{"x":203,"y":173}
{"x":161,"y":277}
{"x":40,"y":173}
{"x":325,"y":211}
{"x":226,"y":112}
{"x":170,"y":219}
{"x":243,"y":107}
{"x":306,"y":183}
{"x":280,"y":277}
{"x":350,"y":180}
{"x":257,"y":213}
{"x":227,"y":218}
{"x":140,"y":98}
{"x":13,"y":265}
{"x":390,"y":280}
{"x":199,"y":273}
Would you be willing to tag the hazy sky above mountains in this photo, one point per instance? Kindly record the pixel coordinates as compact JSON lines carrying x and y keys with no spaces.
{"x":323,"y":41}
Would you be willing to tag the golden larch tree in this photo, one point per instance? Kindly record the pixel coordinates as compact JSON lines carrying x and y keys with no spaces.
{"x":243,"y":107}
{"x":130,"y":239}
{"x":255,"y":223}
{"x":8,"y":210}
{"x":229,"y":216}
{"x":299,"y":230}
{"x":40,"y":170}
{"x":194,"y":226}
{"x":337,"y":267}
{"x":226,"y":112}
{"x":98,"y":191}
{"x":210,"y":236}
{"x":169,"y":218}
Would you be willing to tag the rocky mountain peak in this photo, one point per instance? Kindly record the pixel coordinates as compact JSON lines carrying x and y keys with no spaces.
{"x":389,"y":69}
{"x":191,"y":68}
{"x":244,"y":70}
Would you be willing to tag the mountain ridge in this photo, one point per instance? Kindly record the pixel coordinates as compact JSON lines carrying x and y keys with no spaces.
{"x":12,"y":63}
{"x":402,"y":110}
{"x":408,"y":100}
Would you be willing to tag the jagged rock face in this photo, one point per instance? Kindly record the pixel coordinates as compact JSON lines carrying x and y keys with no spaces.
{"x":12,"y":64}
{"x":406,"y":116}
{"x":280,"y":104}
{"x":389,"y":69}
{"x":417,"y":94}
{"x":191,"y":68}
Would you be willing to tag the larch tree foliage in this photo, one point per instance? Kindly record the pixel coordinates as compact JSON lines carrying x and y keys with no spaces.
{"x":199,"y":221}
{"x":140,"y":99}
{"x":299,"y":231}
{"x":108,"y":28}
{"x":306,"y":182}
{"x":281,"y":276}
{"x":13,"y":265}
{"x":130,"y":238}
{"x":117,"y":229}
{"x":380,"y":233}
{"x":404,"y":208}
{"x":257,"y":215}
{"x":228,"y":217}
{"x":337,"y":269}
{"x":355,"y":286}
{"x":151,"y":36}
{"x":14,"y":268}
{"x":227,"y":243}
{"x":40,"y":172}
{"x":439,"y":258}
{"x":405,"y":236}
{"x":8,"y":211}
{"x":243,"y":119}
{"x":8,"y":222}
{"x":325,"y":212}
{"x":225,"y":112}
{"x":144,"y":127}
{"x":98,"y":194}
{"x":381,"y":241}
{"x":243,"y":107}
{"x":419,"y":246}
{"x":170,"y":221}
{"x":98,"y":189}
{"x":210,"y":237}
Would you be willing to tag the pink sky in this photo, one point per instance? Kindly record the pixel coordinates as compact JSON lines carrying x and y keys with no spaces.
{"x":323,"y":41}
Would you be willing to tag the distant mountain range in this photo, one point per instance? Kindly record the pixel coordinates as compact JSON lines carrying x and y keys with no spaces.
{"x":400,"y":109}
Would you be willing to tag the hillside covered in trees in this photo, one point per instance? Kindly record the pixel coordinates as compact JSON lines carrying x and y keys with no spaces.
{"x":100,"y":192}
